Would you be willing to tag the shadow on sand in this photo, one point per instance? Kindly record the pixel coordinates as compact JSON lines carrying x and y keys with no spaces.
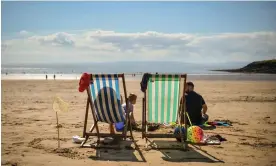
{"x":121,"y":151}
{"x":171,"y":152}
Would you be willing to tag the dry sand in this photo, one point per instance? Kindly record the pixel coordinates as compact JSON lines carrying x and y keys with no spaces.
{"x":29,"y":126}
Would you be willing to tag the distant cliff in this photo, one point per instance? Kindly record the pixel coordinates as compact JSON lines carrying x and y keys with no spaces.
{"x":267,"y":66}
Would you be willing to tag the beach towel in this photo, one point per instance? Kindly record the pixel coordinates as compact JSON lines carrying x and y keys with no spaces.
{"x":84,"y":82}
{"x":144,"y":82}
{"x":219,"y":123}
{"x":206,"y":126}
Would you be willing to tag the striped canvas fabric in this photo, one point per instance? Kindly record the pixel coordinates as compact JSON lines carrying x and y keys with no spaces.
{"x":105,"y":94}
{"x":163,"y":98}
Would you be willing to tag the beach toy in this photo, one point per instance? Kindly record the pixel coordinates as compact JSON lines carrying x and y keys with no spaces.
{"x":119,"y":126}
{"x":84,"y":82}
{"x":177,"y":131}
{"x":195,"y":134}
{"x":59,"y":106}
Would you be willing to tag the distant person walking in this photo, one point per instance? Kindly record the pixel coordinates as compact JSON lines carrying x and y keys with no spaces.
{"x":46,"y":77}
{"x":54,"y":77}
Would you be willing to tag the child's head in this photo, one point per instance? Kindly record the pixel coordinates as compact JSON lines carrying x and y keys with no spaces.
{"x":132,"y":98}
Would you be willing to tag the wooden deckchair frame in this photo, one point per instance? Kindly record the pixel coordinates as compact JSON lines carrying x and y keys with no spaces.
{"x":90,"y":103}
{"x":181,"y":116}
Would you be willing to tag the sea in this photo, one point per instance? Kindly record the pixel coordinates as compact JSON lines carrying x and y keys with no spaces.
{"x":74,"y":71}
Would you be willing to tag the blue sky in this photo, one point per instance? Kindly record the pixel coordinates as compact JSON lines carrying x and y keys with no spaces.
{"x":186,"y":17}
{"x":66,"y":23}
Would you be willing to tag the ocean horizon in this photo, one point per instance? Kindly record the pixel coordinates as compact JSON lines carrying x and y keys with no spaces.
{"x":74,"y":71}
{"x":118,"y":67}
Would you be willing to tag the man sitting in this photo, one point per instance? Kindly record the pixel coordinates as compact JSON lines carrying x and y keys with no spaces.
{"x":195,"y":105}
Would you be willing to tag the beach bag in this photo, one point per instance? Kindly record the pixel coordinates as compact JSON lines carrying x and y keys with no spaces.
{"x":177,"y":131}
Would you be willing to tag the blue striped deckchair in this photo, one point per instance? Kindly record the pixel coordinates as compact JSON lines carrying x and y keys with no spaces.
{"x":105,"y":102}
{"x":161,"y":104}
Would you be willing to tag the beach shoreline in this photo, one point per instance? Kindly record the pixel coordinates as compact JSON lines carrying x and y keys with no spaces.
{"x":137,"y":77}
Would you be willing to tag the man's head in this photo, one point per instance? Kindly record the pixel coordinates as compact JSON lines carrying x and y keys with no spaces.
{"x":189,"y":87}
{"x":132,"y":98}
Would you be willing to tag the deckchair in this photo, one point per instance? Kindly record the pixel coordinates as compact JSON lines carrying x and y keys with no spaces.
{"x":161,"y":104}
{"x":105,"y":102}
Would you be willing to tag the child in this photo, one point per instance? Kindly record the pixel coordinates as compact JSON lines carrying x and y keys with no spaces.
{"x":131,"y":101}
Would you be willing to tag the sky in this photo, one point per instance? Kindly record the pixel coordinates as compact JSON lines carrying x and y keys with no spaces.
{"x":194,"y":32}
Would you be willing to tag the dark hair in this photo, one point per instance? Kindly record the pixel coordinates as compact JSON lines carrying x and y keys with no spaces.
{"x":190,"y":84}
{"x":132,"y":96}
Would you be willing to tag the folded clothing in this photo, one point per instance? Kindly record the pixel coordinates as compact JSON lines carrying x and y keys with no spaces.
{"x":144,"y":82}
{"x":219,"y":123}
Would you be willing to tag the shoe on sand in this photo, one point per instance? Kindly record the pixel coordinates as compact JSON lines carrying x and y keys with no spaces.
{"x":77,"y":139}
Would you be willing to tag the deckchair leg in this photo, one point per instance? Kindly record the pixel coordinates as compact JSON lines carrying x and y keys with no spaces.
{"x":98,"y":132}
{"x":146,"y":138}
{"x":150,"y":144}
{"x":125,"y":129}
{"x":146,"y":142}
{"x":85,"y":118}
{"x":83,"y":142}
{"x":92,"y":127}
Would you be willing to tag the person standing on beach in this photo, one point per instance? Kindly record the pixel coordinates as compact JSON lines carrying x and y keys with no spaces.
{"x":195,"y":105}
{"x":46,"y":77}
{"x":54,"y":77}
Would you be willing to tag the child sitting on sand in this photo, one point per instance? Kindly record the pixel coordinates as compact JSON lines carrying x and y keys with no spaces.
{"x":131,"y":101}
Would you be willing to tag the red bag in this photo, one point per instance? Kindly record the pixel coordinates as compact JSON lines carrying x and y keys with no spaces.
{"x":84,"y":82}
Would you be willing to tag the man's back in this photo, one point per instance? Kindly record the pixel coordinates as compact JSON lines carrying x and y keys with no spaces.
{"x":194,"y":102}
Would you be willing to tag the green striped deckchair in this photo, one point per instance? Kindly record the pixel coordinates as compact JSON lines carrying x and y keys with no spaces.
{"x":161,"y":103}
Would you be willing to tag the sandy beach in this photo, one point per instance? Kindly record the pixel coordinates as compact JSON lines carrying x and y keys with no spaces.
{"x":29,"y":134}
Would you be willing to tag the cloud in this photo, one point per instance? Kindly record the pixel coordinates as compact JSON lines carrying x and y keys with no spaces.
{"x":24,"y":33}
{"x":4,"y":47}
{"x":57,"y":39}
{"x":102,"y":45}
